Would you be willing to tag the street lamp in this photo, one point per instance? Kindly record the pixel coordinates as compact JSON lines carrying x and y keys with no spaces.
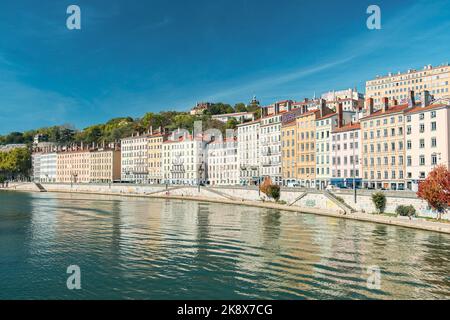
{"x":200,"y":172}
{"x":259,"y":179}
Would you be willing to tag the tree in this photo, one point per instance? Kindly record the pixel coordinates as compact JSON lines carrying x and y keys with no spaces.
{"x":16,"y":162}
{"x":436,"y":189}
{"x":269,"y":189}
{"x":274,"y":192}
{"x":379,"y":201}
{"x":264,"y":187}
{"x":240,"y":107}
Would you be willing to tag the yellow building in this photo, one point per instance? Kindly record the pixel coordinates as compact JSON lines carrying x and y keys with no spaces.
{"x":306,"y":140}
{"x":396,"y":86}
{"x":105,"y":166}
{"x":155,"y":172}
{"x":288,"y":144}
{"x":383,"y":149}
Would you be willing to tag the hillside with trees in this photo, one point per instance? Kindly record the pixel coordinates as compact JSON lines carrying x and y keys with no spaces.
{"x":118,"y":128}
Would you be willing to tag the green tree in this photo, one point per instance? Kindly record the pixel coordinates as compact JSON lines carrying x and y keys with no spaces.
{"x":240,"y":107}
{"x":379,"y":201}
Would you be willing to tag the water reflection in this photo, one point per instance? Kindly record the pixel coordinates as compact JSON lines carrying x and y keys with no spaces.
{"x":161,"y":249}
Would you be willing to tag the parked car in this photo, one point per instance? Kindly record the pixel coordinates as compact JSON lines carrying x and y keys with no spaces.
{"x":293,"y":185}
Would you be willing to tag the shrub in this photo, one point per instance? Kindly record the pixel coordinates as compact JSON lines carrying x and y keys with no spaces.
{"x":406,"y":211}
{"x":273,"y":191}
{"x":379,"y":201}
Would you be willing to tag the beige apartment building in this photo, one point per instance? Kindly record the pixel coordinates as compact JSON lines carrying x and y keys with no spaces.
{"x":383,"y":152}
{"x":306,"y":146}
{"x":104,"y":166}
{"x":73,"y":166}
{"x":288,"y":152}
{"x":155,"y":170}
{"x":427,"y":140}
{"x":396,"y":86}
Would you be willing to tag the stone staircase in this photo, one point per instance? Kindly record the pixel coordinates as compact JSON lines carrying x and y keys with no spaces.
{"x":344,"y":206}
{"x":298,"y":198}
{"x":40,"y":187}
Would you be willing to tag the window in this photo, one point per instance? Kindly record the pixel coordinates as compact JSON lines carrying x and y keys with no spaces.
{"x":433,"y":126}
{"x":433,"y":142}
{"x":422,"y":127}
{"x":422,"y":160}
{"x":422,"y":143}
{"x":433,"y":159}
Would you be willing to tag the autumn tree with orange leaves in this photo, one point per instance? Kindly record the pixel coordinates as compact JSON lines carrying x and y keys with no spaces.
{"x":436,"y":189}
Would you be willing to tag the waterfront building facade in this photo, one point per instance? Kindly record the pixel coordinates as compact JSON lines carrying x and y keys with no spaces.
{"x":249,"y":152}
{"x":134,"y":157}
{"x":325,"y":125}
{"x":36,"y":166}
{"x":427,"y":139}
{"x":155,"y":167}
{"x":288,"y":151}
{"x":306,"y":148}
{"x":383,"y":152}
{"x":105,"y":165}
{"x":73,"y":166}
{"x":289,"y":144}
{"x":270,"y":149}
{"x":436,"y":80}
{"x":222,"y":162}
{"x":346,"y":154}
{"x":184,"y":159}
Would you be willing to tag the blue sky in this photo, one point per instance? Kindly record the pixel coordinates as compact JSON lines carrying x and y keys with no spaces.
{"x":135,"y":56}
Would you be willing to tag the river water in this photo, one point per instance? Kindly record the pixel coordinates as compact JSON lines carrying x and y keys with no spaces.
{"x":137,"y":248}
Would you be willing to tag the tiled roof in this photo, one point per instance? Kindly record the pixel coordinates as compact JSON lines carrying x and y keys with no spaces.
{"x":247,"y":123}
{"x":391,"y":110}
{"x":327,"y":116}
{"x":427,"y":108}
{"x":348,"y":127}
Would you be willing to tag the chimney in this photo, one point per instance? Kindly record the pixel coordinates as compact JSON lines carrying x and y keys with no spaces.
{"x":264,"y":111}
{"x":151,"y":130}
{"x":411,"y":99}
{"x":394,"y":102}
{"x":340,"y":114}
{"x":426,"y":99}
{"x":277,"y":108}
{"x":369,"y":105}
{"x":304,"y":108}
{"x":323,"y":104}
{"x":385,"y":104}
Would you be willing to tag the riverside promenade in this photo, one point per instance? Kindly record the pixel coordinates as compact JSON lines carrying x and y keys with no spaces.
{"x":293,"y":200}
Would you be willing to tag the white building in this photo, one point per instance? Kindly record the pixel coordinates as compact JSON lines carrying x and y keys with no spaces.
{"x":346,"y":148}
{"x":248,"y":152}
{"x":222,"y":162}
{"x":270,"y":149}
{"x":184,"y":159}
{"x":36,"y":166}
{"x":48,"y":163}
{"x":325,"y":125}
{"x":427,"y":139}
{"x":238,"y":116}
{"x":134,"y":155}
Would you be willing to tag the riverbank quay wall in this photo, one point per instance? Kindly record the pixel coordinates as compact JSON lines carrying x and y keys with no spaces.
{"x":295,"y":197}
